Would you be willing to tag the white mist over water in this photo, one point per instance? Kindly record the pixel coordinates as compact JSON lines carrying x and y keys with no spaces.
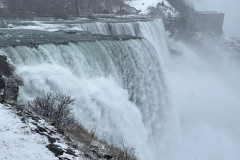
{"x":207,"y":106}
{"x":186,"y":110}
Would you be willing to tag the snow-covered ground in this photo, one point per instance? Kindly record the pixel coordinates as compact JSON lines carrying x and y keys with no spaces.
{"x":45,"y":26}
{"x":17,"y":142}
{"x":28,"y":137}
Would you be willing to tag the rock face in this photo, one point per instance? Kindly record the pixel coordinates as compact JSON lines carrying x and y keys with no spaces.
{"x":4,"y":70}
{"x":11,"y":90}
{"x":208,"y":22}
{"x":175,"y":24}
{"x":9,"y":86}
{"x":196,"y":22}
{"x":57,"y":150}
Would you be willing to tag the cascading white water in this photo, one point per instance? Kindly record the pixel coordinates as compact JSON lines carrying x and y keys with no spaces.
{"x":119,"y":85}
{"x":121,"y":90}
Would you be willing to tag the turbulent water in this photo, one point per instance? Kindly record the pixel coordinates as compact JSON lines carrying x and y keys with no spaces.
{"x":168,"y":106}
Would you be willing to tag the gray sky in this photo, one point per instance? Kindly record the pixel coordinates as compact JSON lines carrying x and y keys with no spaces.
{"x":231,"y":8}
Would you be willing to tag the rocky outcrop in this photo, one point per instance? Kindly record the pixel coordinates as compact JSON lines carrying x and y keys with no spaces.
{"x":207,"y":22}
{"x":11,"y":85}
{"x":11,"y":91}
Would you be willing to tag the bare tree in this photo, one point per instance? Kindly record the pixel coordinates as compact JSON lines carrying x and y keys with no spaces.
{"x":56,"y":107}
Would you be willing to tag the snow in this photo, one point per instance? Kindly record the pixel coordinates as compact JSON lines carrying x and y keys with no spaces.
{"x":18,"y":142}
{"x":144,"y":4}
{"x":43,"y":26}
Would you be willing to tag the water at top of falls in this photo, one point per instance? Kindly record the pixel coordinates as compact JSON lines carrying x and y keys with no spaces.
{"x":151,"y":30}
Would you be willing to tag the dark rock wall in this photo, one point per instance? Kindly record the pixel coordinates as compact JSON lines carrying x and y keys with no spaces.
{"x":11,"y":91}
{"x":8,"y":82}
{"x":197,"y":22}
{"x":207,"y":22}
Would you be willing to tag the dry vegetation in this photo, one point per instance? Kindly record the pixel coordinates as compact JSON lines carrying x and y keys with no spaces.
{"x":56,"y":108}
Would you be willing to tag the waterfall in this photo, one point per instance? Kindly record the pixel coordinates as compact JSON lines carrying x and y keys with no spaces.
{"x":171,"y":104}
{"x":204,"y":94}
{"x":153,"y":31}
{"x":119,"y":85}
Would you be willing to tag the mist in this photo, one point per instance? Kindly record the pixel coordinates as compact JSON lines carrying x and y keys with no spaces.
{"x":204,"y":93}
{"x":231,"y":10}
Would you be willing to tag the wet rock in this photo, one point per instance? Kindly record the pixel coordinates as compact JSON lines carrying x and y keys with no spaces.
{"x":57,"y":150}
{"x":40,"y":129}
{"x":70,"y":32}
{"x":107,"y":156}
{"x":51,"y":139}
{"x":63,"y":158}
{"x":35,"y":118}
{"x":11,"y":91}
{"x":71,"y":152}
{"x":88,"y":155}
{"x":96,"y":153}
{"x":23,"y":119}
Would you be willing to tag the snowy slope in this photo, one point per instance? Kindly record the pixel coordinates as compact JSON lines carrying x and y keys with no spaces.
{"x":24,"y":136}
{"x":144,"y":4}
{"x":18,"y":142}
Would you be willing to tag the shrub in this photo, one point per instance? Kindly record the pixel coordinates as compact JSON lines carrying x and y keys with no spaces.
{"x":61,"y":14}
{"x":123,"y":153}
{"x":79,"y":133}
{"x":56,"y":107}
